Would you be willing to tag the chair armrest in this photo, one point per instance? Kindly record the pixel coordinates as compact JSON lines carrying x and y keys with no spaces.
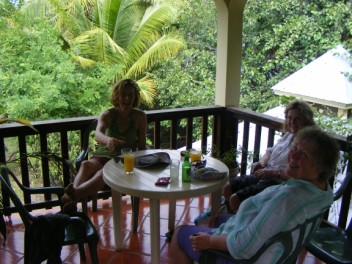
{"x":220,"y":253}
{"x":58,"y":190}
{"x":81,"y":156}
{"x":344,"y":184}
{"x":209,"y":256}
{"x":85,"y":144}
{"x":324,"y":223}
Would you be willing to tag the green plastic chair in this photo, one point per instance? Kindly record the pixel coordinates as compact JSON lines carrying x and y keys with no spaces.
{"x":330,"y":243}
{"x":290,"y":252}
{"x":79,"y":229}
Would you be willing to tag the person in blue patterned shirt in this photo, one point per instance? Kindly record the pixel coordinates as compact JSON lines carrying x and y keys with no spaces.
{"x":311,"y":162}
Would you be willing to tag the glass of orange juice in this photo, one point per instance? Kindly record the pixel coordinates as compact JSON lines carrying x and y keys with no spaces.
{"x":128,"y":160}
{"x":196,"y":155}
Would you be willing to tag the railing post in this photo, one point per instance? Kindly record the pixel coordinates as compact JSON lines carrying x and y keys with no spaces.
{"x":228,"y":131}
{"x":346,"y":197}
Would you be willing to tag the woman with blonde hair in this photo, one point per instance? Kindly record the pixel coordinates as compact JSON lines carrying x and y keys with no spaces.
{"x":270,"y":170}
{"x":119,"y":127}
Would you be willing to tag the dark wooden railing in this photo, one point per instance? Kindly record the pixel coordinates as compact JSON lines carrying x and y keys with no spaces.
{"x":172,"y":129}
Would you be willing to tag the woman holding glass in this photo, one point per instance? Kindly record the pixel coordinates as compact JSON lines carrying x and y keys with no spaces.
{"x":123,"y":126}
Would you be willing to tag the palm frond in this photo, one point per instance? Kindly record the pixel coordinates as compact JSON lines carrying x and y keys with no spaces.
{"x":106,"y":14}
{"x":87,"y":4}
{"x":85,"y":63}
{"x":71,"y":19}
{"x":152,"y":24}
{"x":126,"y":21}
{"x":38,"y":8}
{"x":105,"y":49}
{"x":166,"y":47}
{"x":148,"y":90}
{"x":18,"y":120}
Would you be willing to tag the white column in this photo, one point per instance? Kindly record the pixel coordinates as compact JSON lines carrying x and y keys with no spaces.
{"x":229,"y":51}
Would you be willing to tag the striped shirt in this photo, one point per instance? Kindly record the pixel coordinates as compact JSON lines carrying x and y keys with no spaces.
{"x":278,"y":208}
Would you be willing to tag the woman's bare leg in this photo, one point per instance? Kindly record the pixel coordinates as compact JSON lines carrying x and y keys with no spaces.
{"x":90,"y":187}
{"x":87,"y":171}
{"x":88,"y":181}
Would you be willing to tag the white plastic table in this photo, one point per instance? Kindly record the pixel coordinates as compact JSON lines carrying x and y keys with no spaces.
{"x":142,"y":184}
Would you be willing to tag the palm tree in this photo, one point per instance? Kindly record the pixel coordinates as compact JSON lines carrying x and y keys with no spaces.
{"x":130,"y":35}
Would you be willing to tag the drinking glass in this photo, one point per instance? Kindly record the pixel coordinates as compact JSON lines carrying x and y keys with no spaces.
{"x":196,"y":155}
{"x":174,"y":169}
{"x":128,"y":160}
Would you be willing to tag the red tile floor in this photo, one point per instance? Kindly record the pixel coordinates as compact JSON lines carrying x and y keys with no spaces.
{"x":136,"y":249}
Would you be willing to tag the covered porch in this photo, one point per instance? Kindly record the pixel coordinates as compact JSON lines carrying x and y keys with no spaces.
{"x":183,"y":127}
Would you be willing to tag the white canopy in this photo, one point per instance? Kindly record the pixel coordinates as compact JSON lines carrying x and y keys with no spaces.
{"x":322,"y":81}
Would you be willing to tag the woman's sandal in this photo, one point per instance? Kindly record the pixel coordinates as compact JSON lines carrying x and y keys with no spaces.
{"x":68,"y":200}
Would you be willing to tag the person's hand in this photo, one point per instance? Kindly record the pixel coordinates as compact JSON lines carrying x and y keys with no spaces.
{"x":112,"y":142}
{"x":265,"y":173}
{"x":200,"y":241}
{"x":256,"y":166}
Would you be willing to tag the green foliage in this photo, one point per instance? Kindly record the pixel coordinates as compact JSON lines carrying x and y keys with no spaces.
{"x":189,"y":79}
{"x":192,"y":82}
{"x":331,"y":123}
{"x":43,"y":82}
{"x":197,"y":22}
{"x":34,"y":160}
{"x":6,"y":7}
{"x":229,"y":157}
{"x":130,"y":36}
{"x":281,"y":37}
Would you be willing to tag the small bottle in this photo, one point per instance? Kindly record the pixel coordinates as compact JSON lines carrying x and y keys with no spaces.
{"x":186,"y":168}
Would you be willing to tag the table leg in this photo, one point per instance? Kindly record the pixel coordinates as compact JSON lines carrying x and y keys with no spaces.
{"x":215,"y":201}
{"x":172,"y":210}
{"x":155,"y":230}
{"x":117,"y":218}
